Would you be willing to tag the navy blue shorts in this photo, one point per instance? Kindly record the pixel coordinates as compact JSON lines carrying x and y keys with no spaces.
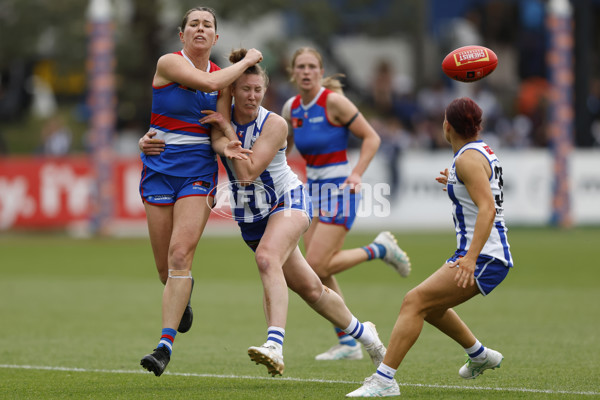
{"x":295,"y":199}
{"x":489,"y":272}
{"x":163,"y":190}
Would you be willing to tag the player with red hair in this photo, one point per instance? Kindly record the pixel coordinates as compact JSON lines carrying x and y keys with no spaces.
{"x":479,"y":264}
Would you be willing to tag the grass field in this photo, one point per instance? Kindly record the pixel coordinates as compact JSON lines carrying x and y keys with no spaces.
{"x":77,"y":316}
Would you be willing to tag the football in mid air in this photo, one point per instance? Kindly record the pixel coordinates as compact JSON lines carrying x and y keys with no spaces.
{"x":469,"y":63}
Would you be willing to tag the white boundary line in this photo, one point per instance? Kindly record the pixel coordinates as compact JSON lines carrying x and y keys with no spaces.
{"x":456,"y":387}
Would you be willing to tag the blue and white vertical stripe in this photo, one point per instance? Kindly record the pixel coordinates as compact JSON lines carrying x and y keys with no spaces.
{"x":254,"y":202}
{"x":464,"y":210}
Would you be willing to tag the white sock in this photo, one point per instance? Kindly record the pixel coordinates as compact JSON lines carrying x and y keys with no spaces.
{"x":358,"y":331}
{"x":386,"y":373}
{"x":275,"y":337}
{"x":477,"y":352}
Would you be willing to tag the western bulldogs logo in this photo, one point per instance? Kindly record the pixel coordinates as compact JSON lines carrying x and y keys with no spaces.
{"x":297,"y":122}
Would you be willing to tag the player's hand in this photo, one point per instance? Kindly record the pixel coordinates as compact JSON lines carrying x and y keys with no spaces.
{"x":213,"y":118}
{"x":352,"y":182}
{"x":465,"y":272}
{"x":253,"y":55}
{"x":151,"y":146}
{"x":443,"y":179}
{"x":235,"y":151}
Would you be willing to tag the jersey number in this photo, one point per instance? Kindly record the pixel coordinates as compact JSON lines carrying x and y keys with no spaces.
{"x":499,"y":197}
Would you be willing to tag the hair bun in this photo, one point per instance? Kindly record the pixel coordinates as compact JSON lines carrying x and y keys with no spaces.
{"x":237,"y":55}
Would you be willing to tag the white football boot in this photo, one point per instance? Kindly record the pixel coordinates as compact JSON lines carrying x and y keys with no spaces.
{"x":472,"y":369}
{"x":342,"y":352}
{"x":268,"y":356}
{"x":374,"y":386}
{"x":376,"y":349}
{"x":395,"y":257}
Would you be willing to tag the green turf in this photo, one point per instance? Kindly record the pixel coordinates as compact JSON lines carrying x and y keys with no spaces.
{"x":77,"y":315}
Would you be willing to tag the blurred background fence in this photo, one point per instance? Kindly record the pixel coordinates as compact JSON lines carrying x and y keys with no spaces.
{"x":75,"y":95}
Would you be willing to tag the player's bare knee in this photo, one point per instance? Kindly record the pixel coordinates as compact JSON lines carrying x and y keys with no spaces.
{"x":264,"y":261}
{"x":412,"y":301}
{"x":179,"y":257}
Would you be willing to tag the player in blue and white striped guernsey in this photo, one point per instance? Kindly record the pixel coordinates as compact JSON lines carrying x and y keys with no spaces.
{"x":480,"y":263}
{"x":273,"y":210}
{"x":253,"y":202}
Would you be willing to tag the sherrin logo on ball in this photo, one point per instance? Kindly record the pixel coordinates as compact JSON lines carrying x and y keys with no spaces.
{"x":471,"y":56}
{"x":469,"y":63}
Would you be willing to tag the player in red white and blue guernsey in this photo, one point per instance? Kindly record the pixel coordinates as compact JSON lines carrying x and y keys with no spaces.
{"x":180,"y":168}
{"x":273,"y":210}
{"x":321,"y":119}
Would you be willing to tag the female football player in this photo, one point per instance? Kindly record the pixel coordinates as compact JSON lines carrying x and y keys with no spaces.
{"x":321,"y":118}
{"x":479,"y":264}
{"x":180,"y":171}
{"x":273,"y":210}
